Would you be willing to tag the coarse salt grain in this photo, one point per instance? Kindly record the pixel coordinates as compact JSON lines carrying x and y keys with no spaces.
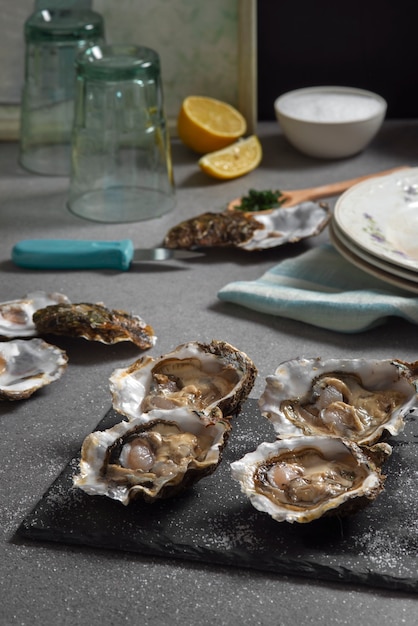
{"x":330,"y":107}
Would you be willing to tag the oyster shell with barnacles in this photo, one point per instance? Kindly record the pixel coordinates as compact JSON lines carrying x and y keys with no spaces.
{"x":250,"y":231}
{"x":330,"y":417}
{"x":205,"y":377}
{"x":178,"y":408}
{"x":300,"y":479}
{"x":155,"y":455}
{"x":362,"y":400}
{"x":16,"y":315}
{"x":26,"y":365}
{"x":94,"y":322}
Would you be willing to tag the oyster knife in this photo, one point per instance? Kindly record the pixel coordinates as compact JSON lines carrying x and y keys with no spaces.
{"x":88,"y":254}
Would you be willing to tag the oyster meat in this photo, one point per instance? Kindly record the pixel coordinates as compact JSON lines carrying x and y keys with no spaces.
{"x":300,"y":479}
{"x":362,"y":400}
{"x":16,"y":315}
{"x":94,"y":322}
{"x":28,"y":365}
{"x":206,"y":377}
{"x":178,"y":408}
{"x":250,"y":231}
{"x":155,"y":455}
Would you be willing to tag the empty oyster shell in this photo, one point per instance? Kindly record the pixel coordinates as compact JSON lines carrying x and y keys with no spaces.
{"x":94,"y":322}
{"x":359,"y":399}
{"x":250,"y":231}
{"x":28,"y":365}
{"x":16,"y":315}
{"x":300,"y":479}
{"x":156,"y":455}
{"x":205,"y":377}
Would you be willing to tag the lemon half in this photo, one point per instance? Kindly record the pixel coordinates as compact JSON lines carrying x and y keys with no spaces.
{"x":206,"y":124}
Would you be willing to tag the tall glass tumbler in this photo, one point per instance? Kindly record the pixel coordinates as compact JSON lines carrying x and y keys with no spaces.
{"x":121,"y":158}
{"x":53,"y":38}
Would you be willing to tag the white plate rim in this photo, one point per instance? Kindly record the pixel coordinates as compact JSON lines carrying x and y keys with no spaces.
{"x":360,"y":225}
{"x":387,"y":277}
{"x":390,"y":268}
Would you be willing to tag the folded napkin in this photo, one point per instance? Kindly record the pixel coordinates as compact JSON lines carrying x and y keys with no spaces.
{"x":321,"y":288}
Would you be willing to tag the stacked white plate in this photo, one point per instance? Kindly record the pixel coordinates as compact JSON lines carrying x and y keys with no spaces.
{"x":375,"y":227}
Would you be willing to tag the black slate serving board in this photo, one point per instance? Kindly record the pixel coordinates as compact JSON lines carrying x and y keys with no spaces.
{"x":214,"y":523}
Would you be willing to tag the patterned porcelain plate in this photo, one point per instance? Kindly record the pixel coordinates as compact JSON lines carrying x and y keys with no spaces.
{"x":369,"y":268}
{"x":371,"y":259}
{"x":381,"y":216}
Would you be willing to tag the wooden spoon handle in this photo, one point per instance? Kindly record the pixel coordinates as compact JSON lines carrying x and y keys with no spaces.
{"x":291,"y":198}
{"x":333,"y":189}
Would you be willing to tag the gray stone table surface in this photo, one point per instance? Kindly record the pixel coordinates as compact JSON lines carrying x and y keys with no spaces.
{"x":47,"y":583}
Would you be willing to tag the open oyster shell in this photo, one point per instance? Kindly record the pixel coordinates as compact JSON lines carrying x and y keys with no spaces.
{"x":250,"y":231}
{"x":206,"y":377}
{"x":27,"y":365}
{"x":300,"y":479}
{"x":359,"y":399}
{"x":16,"y":315}
{"x":178,"y":407}
{"x":155,"y":455}
{"x":94,"y":322}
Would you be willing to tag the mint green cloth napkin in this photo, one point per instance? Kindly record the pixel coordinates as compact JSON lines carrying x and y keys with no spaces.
{"x":320,"y":287}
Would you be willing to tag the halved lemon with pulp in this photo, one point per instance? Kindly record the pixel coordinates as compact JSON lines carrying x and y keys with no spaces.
{"x":206,"y":124}
{"x":238,"y":159}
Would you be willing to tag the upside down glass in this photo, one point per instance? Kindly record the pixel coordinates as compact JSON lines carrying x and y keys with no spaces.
{"x":121,"y":160}
{"x":53,"y":38}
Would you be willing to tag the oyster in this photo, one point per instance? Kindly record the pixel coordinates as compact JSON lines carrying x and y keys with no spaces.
{"x":206,"y":377}
{"x":176,"y":429}
{"x":300,"y":479}
{"x":156,"y":455}
{"x":94,"y":322}
{"x":16,"y":315}
{"x":250,"y":231}
{"x":358,"y":399}
{"x":28,"y":365}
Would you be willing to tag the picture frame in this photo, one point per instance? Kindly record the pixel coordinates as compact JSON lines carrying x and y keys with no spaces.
{"x":224,"y":68}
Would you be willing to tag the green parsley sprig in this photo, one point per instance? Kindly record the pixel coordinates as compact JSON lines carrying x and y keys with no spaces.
{"x":260,"y":200}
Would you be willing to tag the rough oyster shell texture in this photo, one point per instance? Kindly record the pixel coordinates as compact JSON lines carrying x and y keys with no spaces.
{"x":299,"y":479}
{"x":250,"y":231}
{"x":26,"y":365}
{"x":205,"y":377}
{"x":16,"y":315}
{"x":40,"y":313}
{"x":94,"y":322}
{"x":316,"y":406}
{"x":178,"y":408}
{"x":153,"y":456}
{"x":359,"y":399}
{"x":23,"y":369}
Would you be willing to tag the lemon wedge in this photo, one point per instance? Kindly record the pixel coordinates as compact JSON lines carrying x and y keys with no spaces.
{"x":238,"y":159}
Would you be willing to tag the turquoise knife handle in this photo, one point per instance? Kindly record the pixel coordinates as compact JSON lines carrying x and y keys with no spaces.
{"x":65,"y":254}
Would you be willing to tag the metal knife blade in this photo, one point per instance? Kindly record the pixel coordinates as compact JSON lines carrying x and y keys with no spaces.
{"x":88,"y":254}
{"x":163,"y":254}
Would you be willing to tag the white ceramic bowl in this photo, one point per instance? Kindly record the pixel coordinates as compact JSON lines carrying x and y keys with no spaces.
{"x":330,"y":122}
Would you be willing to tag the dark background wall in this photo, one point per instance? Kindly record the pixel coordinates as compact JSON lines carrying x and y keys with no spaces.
{"x":369,"y":44}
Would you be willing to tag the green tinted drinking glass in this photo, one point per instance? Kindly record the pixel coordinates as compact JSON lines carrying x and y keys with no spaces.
{"x":53,"y":38}
{"x":121,"y":160}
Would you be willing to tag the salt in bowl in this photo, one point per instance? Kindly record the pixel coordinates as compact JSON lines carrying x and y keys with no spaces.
{"x":330,"y":122}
